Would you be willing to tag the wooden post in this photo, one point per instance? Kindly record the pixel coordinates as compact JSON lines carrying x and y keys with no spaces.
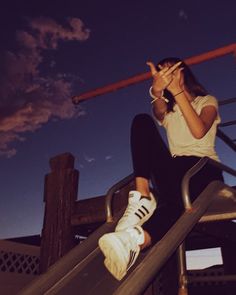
{"x":60,"y":194}
{"x":229,"y":262}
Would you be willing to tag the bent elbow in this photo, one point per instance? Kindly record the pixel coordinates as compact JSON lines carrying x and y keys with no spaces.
{"x":199,"y":134}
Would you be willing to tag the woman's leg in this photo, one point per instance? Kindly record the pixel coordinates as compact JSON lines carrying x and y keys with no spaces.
{"x":149,"y":152}
{"x":151,"y":158}
{"x":142,"y":185}
{"x":121,"y":248}
{"x":170,"y":210}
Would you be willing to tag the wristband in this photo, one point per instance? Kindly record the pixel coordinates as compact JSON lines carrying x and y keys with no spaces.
{"x":156,"y":97}
{"x":178,"y":93}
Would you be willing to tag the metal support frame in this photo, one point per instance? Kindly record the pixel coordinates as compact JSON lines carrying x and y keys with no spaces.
{"x":183,"y":278}
{"x":145,"y":272}
{"x":190,"y":209}
{"x":110,"y":193}
{"x":194,"y":170}
{"x":228,"y":49}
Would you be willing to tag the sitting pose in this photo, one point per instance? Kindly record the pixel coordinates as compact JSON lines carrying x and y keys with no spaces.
{"x":190,"y":117}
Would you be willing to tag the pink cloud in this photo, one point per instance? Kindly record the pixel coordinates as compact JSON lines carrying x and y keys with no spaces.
{"x":28,"y":98}
{"x":5,"y":140}
{"x":46,"y":33}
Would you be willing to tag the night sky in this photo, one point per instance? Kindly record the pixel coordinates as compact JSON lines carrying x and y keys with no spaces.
{"x":52,"y":50}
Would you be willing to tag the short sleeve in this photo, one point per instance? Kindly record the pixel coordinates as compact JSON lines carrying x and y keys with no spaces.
{"x":210,"y":100}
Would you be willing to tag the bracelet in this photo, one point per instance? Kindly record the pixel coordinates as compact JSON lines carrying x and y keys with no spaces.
{"x":178,"y":93}
{"x":156,"y":97}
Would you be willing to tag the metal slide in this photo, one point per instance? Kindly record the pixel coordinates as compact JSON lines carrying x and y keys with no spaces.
{"x":81,"y":271}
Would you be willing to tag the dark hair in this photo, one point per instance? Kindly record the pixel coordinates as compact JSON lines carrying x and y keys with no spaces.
{"x":191,"y":83}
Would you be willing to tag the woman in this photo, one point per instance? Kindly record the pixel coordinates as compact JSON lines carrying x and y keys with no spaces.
{"x":190,"y":116}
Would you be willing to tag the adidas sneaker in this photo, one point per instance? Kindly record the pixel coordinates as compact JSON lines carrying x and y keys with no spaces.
{"x":121,"y":250}
{"x":138,"y":211}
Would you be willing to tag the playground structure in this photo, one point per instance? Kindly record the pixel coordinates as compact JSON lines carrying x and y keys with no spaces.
{"x":66,"y":267}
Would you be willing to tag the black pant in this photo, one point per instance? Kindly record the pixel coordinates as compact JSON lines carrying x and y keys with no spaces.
{"x":152,"y":159}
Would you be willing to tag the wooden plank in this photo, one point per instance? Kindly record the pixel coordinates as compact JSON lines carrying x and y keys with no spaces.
{"x":93,"y":210}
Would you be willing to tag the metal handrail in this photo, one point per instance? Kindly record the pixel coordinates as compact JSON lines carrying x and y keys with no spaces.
{"x":119,"y":185}
{"x":226,"y":139}
{"x":229,"y":49}
{"x":162,"y":250}
{"x":194,"y":170}
{"x":228,"y":123}
{"x":227,"y":101}
{"x":185,"y":184}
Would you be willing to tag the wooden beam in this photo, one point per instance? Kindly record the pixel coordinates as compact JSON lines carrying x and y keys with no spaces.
{"x":93,"y":210}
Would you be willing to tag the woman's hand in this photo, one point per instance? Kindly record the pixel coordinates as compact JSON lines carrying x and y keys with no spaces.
{"x":165,"y":77}
{"x":177,"y":83}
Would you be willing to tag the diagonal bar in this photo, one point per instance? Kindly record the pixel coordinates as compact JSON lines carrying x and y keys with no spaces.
{"x":229,"y":49}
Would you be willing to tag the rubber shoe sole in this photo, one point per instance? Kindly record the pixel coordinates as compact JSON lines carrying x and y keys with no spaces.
{"x":117,"y":262}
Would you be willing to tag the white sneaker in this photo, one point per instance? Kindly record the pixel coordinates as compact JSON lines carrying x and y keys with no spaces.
{"x":138,"y":211}
{"x":121,"y":250}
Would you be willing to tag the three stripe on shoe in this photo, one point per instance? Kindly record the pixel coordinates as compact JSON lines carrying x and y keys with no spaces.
{"x":132,"y":257}
{"x":144,"y":212}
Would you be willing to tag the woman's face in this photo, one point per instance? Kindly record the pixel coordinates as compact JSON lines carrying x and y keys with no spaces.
{"x":169,"y":65}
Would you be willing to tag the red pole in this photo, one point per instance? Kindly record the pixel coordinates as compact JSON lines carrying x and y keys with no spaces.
{"x":229,"y":49}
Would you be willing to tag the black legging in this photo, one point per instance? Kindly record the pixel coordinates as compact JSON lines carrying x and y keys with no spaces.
{"x":151,"y":158}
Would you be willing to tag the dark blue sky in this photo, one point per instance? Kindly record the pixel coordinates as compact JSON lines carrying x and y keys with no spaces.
{"x":47,"y":56}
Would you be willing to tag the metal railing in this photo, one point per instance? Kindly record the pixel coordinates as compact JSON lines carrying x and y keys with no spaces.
{"x":194,"y":170}
{"x":145,"y":272}
{"x":226,"y":139}
{"x":108,"y":202}
{"x":229,"y":49}
{"x":175,"y":236}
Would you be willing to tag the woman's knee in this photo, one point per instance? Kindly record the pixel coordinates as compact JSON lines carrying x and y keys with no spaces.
{"x":143,"y":120}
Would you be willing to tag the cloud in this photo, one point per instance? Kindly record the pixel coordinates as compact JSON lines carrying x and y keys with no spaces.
{"x":5,"y":139}
{"x":89,"y":159}
{"x":29,"y":97}
{"x":182,"y":14}
{"x":108,"y":157}
{"x":46,"y":33}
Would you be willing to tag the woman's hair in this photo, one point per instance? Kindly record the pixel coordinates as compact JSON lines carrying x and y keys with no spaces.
{"x":191,"y":83}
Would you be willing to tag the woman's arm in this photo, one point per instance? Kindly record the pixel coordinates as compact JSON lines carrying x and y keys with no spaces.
{"x":200,"y":124}
{"x":161,"y":80}
{"x":172,"y":79}
{"x":159,"y":106}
